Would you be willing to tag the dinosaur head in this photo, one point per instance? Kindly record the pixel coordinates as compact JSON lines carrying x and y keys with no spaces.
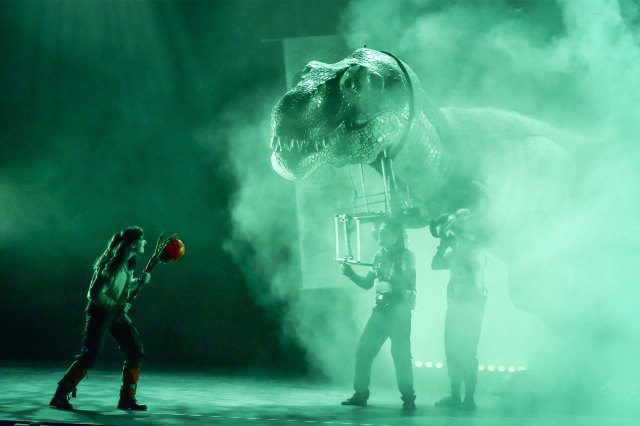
{"x":342,"y":113}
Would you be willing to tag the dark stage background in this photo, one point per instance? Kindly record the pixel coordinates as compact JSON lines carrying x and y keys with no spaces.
{"x":103,"y":110}
{"x":156,"y":113}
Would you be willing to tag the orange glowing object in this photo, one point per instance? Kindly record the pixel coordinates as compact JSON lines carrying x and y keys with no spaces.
{"x":173,"y":251}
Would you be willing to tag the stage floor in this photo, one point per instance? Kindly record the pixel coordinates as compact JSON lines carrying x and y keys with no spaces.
{"x":181,"y":398}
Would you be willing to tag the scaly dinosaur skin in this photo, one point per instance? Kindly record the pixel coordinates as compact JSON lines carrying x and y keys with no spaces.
{"x":350,"y":111}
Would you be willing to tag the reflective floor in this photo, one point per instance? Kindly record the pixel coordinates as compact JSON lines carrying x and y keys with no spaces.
{"x":205,"y":398}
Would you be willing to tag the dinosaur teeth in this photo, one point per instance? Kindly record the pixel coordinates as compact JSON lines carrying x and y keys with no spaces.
{"x":275,"y":145}
{"x":279,"y":144}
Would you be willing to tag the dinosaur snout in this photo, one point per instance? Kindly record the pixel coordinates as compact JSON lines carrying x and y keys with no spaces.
{"x":306,"y":113}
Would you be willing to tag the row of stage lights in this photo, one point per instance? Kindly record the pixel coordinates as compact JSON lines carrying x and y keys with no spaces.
{"x":481,"y":367}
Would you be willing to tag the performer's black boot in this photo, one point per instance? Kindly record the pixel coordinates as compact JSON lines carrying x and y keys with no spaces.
{"x":61,"y":399}
{"x":452,"y":401}
{"x":409,"y":403}
{"x":128,"y":400}
{"x":67,"y":387}
{"x":358,"y":399}
{"x":469,"y":403}
{"x":130,"y":403}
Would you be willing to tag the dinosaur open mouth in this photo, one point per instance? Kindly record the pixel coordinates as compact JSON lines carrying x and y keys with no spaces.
{"x":349,"y":142}
{"x":294,"y":146}
{"x":299,"y":146}
{"x":295,"y":157}
{"x":282,"y":143}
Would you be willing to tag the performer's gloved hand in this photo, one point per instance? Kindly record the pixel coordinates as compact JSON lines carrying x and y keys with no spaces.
{"x":127,"y":307}
{"x":145,"y":278}
{"x":445,"y":243}
{"x":348,"y":271}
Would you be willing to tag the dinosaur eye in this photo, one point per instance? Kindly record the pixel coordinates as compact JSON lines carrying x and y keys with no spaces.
{"x":348,"y":83}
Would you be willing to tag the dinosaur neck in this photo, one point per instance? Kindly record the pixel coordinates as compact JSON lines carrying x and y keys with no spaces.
{"x":421,"y":163}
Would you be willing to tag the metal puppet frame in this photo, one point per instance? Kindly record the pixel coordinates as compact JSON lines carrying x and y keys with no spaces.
{"x":372,"y":208}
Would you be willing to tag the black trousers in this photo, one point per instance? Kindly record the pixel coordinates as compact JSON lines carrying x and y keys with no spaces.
{"x":386,"y":322}
{"x":462,"y":325}
{"x":99,"y":323}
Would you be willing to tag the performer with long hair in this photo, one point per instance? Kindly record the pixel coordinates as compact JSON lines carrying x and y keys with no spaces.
{"x":110,"y":293}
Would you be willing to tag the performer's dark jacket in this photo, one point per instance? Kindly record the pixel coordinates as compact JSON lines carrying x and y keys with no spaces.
{"x":112,"y":292}
{"x":467,"y":268}
{"x":393,"y":267}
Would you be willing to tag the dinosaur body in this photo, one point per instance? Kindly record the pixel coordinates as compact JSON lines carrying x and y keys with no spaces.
{"x":351,"y":111}
{"x":546,"y":199}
